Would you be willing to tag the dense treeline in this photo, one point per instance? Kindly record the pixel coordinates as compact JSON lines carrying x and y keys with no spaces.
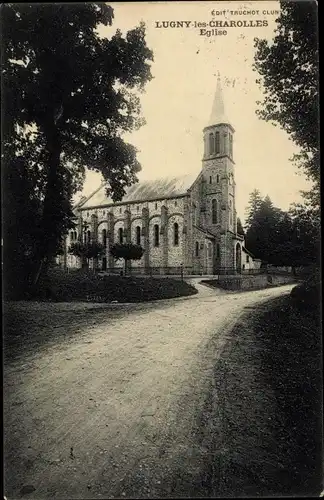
{"x":288,"y":70}
{"x":278,"y":237}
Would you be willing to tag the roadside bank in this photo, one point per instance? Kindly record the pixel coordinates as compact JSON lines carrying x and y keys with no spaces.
{"x":262,"y":421}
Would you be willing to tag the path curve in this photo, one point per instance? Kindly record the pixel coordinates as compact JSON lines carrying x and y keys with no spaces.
{"x":112,"y":411}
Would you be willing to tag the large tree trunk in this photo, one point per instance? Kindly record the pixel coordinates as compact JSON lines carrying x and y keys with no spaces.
{"x":52,"y":199}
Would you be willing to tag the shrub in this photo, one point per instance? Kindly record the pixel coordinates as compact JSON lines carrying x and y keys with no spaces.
{"x":126,"y":251}
{"x":84,"y":285}
{"x":307,"y":295}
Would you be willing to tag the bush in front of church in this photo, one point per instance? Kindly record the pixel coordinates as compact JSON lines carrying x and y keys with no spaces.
{"x":127,"y":252}
{"x":87,"y":286}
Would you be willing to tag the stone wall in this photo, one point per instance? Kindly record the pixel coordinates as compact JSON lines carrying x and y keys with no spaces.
{"x":251,"y":282}
{"x":199,"y":264}
{"x":163,"y":213}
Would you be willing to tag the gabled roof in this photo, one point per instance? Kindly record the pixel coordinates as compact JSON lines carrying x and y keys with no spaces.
{"x":207,"y":233}
{"x":249,"y":253}
{"x":142,"y":191}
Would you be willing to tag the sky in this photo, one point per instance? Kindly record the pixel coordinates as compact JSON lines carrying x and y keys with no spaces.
{"x":177,"y":102}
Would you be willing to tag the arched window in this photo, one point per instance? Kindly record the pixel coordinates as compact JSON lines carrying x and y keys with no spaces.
{"x":209,"y":249}
{"x":217,"y":179}
{"x":138,"y":235}
{"x":231,"y":145}
{"x":194,"y":215}
{"x":104,"y":237}
{"x":210,"y":180}
{"x":214,"y":212}
{"x":88,"y":236}
{"x":156,"y":235}
{"x":176,"y":234}
{"x":217,"y":143}
{"x":211,"y":144}
{"x":71,"y":235}
{"x":120,"y":235}
{"x":238,"y":258}
{"x":197,"y":249}
{"x":75,"y":235}
{"x":217,"y":251}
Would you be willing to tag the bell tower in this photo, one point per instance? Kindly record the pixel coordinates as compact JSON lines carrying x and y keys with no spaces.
{"x":218,"y":177}
{"x":218,"y":135}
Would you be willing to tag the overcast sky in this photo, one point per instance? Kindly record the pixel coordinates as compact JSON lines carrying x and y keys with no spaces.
{"x":177,"y":102}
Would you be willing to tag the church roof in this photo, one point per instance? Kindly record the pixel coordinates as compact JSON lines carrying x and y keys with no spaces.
{"x":248,"y":252}
{"x":143,"y":191}
{"x":218,"y":114}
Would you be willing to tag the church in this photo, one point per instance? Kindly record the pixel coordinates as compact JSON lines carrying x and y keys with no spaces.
{"x":184,"y":224}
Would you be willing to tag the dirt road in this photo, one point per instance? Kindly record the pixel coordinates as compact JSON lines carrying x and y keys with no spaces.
{"x":108,"y":404}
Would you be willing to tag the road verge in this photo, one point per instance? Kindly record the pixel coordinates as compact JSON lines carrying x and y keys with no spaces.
{"x":262,"y":419}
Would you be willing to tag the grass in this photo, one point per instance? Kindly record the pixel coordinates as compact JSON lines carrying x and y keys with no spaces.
{"x":87,"y":286}
{"x":266,"y":404}
{"x":307,"y":295}
{"x":290,"y":338}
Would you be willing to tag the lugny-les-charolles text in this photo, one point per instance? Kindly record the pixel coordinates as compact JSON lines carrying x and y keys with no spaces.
{"x":212,"y":24}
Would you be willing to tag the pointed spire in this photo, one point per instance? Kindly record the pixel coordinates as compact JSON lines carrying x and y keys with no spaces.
{"x":218,"y":111}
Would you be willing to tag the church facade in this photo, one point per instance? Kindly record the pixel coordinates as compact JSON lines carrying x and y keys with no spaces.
{"x":184,"y":223}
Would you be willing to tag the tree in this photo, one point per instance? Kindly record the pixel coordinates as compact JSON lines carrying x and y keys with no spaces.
{"x":285,"y":249}
{"x":86,"y":251}
{"x":284,"y":238}
{"x":255,"y":201}
{"x":288,"y":69}
{"x":126,"y":251}
{"x":306,"y":223}
{"x":295,"y":241}
{"x":68,"y":98}
{"x":239,"y":227}
{"x":262,"y":234}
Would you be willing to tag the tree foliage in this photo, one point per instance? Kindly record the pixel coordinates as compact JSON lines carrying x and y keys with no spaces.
{"x":307,"y":224}
{"x":239,"y":227}
{"x":288,"y":68}
{"x":263,"y":221}
{"x":255,"y":201}
{"x":86,"y":251}
{"x":126,"y":251}
{"x":283,"y":238}
{"x":68,"y":97}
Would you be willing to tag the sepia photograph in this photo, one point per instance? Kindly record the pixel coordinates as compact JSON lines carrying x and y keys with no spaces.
{"x":161,"y":250}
